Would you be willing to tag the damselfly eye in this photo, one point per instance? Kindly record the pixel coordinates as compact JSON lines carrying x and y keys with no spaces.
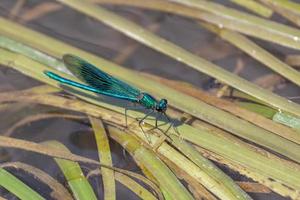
{"x":162,"y":105}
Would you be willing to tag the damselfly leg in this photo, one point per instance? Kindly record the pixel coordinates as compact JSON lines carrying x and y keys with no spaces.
{"x":170,"y":126}
{"x":140,"y":124}
{"x":156,"y":126}
{"x":131,"y":108}
{"x":168,"y":121}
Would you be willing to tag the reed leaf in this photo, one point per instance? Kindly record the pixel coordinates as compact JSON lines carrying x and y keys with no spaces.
{"x":17,"y":187}
{"x":254,"y":7}
{"x":183,"y":102}
{"x":246,"y":23}
{"x":105,"y":157}
{"x":216,"y":187}
{"x":58,"y":153}
{"x":130,"y":183}
{"x":251,"y":159}
{"x":288,"y":9}
{"x":78,"y":183}
{"x":257,"y":53}
{"x":264,"y":29}
{"x":58,"y":190}
{"x":20,"y":62}
{"x":287,"y":120}
{"x":166,"y":179}
{"x":147,"y":38}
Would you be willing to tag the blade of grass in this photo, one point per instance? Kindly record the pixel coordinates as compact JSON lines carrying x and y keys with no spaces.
{"x":17,"y":187}
{"x":208,"y":175}
{"x":260,"y":109}
{"x":254,"y":7}
{"x":37,"y":117}
{"x":247,"y":154}
{"x":256,"y":106}
{"x":209,"y":168}
{"x":42,"y":149}
{"x":18,"y":111}
{"x":240,"y":154}
{"x":198,"y":190}
{"x":33,"y":53}
{"x":130,"y":183}
{"x":166,"y":179}
{"x":58,"y":190}
{"x":287,"y":120}
{"x":104,"y":154}
{"x":79,"y":185}
{"x":291,"y":5}
{"x":293,"y":60}
{"x":218,"y":145}
{"x":218,"y":189}
{"x":9,"y":142}
{"x":233,"y":108}
{"x":43,"y":89}
{"x":288,"y":9}
{"x":181,"y":101}
{"x":267,"y":30}
{"x":276,"y":186}
{"x":246,"y":23}
{"x":147,"y":38}
{"x":213,"y":115}
{"x":256,"y":52}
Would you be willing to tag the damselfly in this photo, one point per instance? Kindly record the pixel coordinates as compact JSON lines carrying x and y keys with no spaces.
{"x":102,"y":83}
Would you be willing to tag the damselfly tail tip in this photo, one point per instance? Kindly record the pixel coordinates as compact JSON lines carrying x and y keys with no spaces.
{"x":48,"y":73}
{"x":51,"y":75}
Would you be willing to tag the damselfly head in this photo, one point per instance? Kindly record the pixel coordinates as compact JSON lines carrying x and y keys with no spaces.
{"x":162,"y":105}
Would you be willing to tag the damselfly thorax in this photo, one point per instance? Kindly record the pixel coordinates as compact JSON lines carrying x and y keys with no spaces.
{"x":150,"y":102}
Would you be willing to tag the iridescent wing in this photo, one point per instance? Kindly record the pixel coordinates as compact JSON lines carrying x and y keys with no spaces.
{"x":100,"y":80}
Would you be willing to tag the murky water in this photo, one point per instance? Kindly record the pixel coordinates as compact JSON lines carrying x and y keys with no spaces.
{"x":68,"y":25}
